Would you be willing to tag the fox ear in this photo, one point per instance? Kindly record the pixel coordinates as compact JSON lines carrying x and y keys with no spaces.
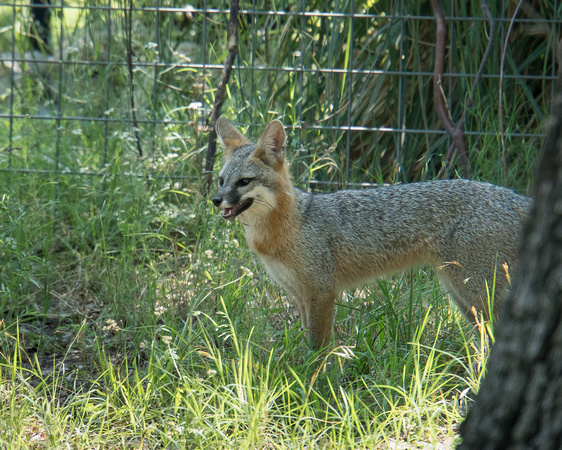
{"x":229,"y":136}
{"x":271,"y":144}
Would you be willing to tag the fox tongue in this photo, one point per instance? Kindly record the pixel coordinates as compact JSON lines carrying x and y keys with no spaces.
{"x":229,"y":212}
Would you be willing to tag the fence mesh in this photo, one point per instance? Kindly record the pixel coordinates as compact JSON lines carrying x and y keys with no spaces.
{"x":93,"y":87}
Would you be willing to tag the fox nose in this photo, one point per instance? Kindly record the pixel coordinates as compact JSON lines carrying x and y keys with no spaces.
{"x":217,"y":200}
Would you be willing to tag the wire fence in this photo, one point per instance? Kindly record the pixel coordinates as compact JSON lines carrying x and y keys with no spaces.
{"x":91,"y":88}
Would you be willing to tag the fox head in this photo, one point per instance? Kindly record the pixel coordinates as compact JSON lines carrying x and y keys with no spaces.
{"x":254,"y":175}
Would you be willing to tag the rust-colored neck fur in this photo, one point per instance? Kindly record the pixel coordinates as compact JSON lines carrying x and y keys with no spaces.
{"x":279,"y":223}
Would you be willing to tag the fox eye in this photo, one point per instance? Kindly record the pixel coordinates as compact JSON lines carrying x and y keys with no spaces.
{"x":221,"y":181}
{"x":244,"y":182}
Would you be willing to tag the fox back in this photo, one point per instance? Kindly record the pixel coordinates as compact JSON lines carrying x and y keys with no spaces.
{"x":316,"y":245}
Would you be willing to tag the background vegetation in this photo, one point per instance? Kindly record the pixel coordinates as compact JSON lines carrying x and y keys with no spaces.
{"x":132,"y":316}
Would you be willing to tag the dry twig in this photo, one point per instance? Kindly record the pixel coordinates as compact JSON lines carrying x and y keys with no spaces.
{"x":219,"y":96}
{"x":129,"y":36}
{"x":458,"y":144}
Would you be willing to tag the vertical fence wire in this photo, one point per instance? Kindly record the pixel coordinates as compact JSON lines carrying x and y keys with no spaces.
{"x":12,"y":85}
{"x":250,"y":105}
{"x":401,"y":82}
{"x":555,"y":54}
{"x":60,"y":97}
{"x":159,"y":51}
{"x":300,"y":72}
{"x":451,"y":57}
{"x":350,"y":66}
{"x":204,"y":48}
{"x":106,"y":100}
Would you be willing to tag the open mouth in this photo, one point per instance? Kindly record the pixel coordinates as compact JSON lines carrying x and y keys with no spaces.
{"x":231,"y":213}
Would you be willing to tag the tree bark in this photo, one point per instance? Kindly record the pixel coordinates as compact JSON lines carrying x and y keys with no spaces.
{"x":40,"y":33}
{"x":519,"y":405}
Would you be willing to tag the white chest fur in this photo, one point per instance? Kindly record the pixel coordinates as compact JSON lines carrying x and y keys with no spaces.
{"x":282,"y":274}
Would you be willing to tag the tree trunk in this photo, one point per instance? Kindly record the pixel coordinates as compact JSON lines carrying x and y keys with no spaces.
{"x":40,"y":33}
{"x":519,"y":404}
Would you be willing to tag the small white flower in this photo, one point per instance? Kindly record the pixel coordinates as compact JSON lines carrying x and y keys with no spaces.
{"x":112,"y":326}
{"x":159,"y":309}
{"x":247,"y":272}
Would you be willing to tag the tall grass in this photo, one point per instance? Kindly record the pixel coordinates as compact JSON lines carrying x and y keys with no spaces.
{"x":240,"y":395}
{"x":133,"y":316}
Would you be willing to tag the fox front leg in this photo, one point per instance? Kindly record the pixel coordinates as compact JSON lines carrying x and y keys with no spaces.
{"x":318,"y":316}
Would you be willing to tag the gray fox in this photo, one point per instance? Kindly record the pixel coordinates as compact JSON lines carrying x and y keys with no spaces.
{"x":316,"y":245}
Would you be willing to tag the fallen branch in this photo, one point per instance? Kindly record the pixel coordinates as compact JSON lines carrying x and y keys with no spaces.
{"x":458,"y":145}
{"x":219,"y":96}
